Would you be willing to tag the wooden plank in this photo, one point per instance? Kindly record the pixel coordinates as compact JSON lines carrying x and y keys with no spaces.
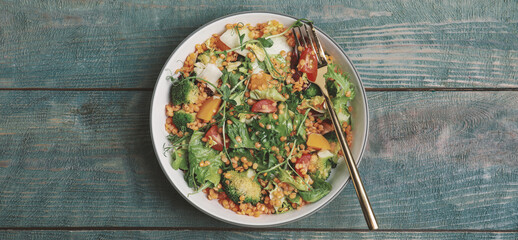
{"x":435,"y":160}
{"x":124,"y":44}
{"x":193,"y":234}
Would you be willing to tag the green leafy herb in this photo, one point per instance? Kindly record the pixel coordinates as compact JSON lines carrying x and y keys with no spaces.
{"x":180,"y":160}
{"x":265,"y":42}
{"x":285,"y":122}
{"x":238,"y":134}
{"x":298,"y":23}
{"x":207,"y":175}
{"x":298,"y":183}
{"x":320,"y":189}
{"x":341,"y":79}
{"x":344,"y":92}
{"x":176,"y":142}
{"x":241,"y":36}
{"x":269,"y":93}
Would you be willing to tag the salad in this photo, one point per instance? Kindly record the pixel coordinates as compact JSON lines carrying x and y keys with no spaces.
{"x":247,"y":127}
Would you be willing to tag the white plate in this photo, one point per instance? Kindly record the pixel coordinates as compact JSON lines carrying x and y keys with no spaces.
{"x":339,"y":176}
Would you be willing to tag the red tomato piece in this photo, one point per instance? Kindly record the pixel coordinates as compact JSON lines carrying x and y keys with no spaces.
{"x":308,"y":64}
{"x":217,"y":138}
{"x":302,"y":164}
{"x":265,"y":106}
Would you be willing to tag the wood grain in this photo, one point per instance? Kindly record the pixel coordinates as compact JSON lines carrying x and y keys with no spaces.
{"x":76,"y":159}
{"x":249,"y":235}
{"x":435,"y":160}
{"x":124,"y":44}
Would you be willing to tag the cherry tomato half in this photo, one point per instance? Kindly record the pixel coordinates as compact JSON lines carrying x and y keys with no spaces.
{"x":308,"y":64}
{"x":216,"y":137}
{"x":303,"y":163}
{"x":264,"y":106}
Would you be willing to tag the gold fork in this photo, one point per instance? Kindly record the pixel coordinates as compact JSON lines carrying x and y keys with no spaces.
{"x":312,"y":41}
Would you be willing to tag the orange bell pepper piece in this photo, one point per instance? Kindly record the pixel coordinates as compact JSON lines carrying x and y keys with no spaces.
{"x":208,"y":109}
{"x":318,"y":141}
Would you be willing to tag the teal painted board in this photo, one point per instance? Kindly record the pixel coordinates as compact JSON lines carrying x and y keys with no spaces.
{"x":124,"y":44}
{"x":197,"y":234}
{"x":435,"y":160}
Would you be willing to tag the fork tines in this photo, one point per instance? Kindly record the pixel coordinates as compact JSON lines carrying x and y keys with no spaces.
{"x":309,"y":39}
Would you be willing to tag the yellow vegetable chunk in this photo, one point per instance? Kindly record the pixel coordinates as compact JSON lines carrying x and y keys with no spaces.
{"x":208,"y":109}
{"x":318,"y":141}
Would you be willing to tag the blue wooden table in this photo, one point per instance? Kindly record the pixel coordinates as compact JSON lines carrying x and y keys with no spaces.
{"x":76,"y":80}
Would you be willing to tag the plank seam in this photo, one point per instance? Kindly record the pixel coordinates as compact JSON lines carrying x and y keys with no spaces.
{"x":251,"y":229}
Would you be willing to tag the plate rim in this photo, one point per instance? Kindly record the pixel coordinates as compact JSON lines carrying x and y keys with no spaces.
{"x":362,"y":151}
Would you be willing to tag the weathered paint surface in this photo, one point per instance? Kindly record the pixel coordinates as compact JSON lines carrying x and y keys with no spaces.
{"x":236,"y":234}
{"x":435,"y":160}
{"x":125,"y":43}
{"x":75,"y":162}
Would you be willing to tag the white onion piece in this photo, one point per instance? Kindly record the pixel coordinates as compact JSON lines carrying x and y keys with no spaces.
{"x":231,"y":39}
{"x":279,"y":44}
{"x":211,"y":74}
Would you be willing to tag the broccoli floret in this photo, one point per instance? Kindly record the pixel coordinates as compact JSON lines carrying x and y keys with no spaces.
{"x":322,"y":165}
{"x":241,"y":184}
{"x":184,"y":92}
{"x":181,"y":118}
{"x":311,"y":91}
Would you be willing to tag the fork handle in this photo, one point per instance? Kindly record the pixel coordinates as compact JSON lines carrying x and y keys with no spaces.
{"x":353,"y":170}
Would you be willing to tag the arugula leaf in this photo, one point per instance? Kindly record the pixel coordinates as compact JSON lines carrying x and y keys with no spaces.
{"x":272,"y":161}
{"x":300,"y":22}
{"x":265,"y":42}
{"x":298,"y":121}
{"x":242,"y":108}
{"x":241,"y":37}
{"x":226,"y":95}
{"x":270,"y":135}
